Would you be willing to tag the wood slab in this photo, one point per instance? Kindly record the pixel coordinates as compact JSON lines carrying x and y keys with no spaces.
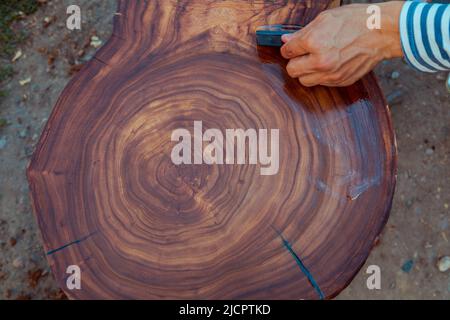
{"x":108,"y":198}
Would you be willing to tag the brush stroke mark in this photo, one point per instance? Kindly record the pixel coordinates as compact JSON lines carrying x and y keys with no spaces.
{"x":70,"y":243}
{"x":302,"y":266}
{"x":366,"y":184}
{"x":324,"y":188}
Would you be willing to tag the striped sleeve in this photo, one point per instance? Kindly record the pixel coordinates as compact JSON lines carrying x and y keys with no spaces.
{"x":425,"y":35}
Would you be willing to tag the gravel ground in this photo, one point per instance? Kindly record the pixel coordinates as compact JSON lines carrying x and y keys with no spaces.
{"x":417,"y":233}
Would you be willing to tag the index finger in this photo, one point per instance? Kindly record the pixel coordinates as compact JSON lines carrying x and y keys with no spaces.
{"x":294,"y":46}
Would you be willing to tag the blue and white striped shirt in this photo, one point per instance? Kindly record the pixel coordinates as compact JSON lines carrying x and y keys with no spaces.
{"x":425,"y":35}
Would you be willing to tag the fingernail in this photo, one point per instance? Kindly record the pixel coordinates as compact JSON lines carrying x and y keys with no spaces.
{"x":286,"y":37}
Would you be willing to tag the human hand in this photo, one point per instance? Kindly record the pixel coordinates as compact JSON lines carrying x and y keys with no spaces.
{"x":337,"y":48}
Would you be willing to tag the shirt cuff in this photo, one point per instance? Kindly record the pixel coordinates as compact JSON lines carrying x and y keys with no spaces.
{"x":424,"y":33}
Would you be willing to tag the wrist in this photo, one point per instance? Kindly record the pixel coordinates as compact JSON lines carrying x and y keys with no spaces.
{"x":390,"y":32}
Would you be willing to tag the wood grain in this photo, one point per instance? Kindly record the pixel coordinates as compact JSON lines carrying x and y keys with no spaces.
{"x":108,"y":198}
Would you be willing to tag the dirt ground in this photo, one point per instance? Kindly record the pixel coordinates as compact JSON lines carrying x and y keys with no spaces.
{"x":416,"y":235}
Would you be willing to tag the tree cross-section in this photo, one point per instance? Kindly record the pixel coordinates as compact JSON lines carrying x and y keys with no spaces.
{"x":109,"y":199}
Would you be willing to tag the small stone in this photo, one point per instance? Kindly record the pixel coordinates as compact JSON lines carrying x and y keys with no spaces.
{"x":22,"y":133}
{"x":395,"y":97}
{"x":407,"y":266}
{"x":17,"y":56}
{"x":28,"y":151}
{"x":2,"y":143}
{"x":441,"y":76}
{"x":87,"y":57}
{"x":25,"y":81}
{"x":48,"y":21}
{"x":429,"y":151}
{"x":95,"y":42}
{"x":443,"y":264}
{"x":395,"y":75}
{"x":18,"y":263}
{"x":409,"y":203}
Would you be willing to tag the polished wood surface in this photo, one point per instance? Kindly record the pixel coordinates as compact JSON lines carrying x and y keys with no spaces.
{"x":108,"y":198}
